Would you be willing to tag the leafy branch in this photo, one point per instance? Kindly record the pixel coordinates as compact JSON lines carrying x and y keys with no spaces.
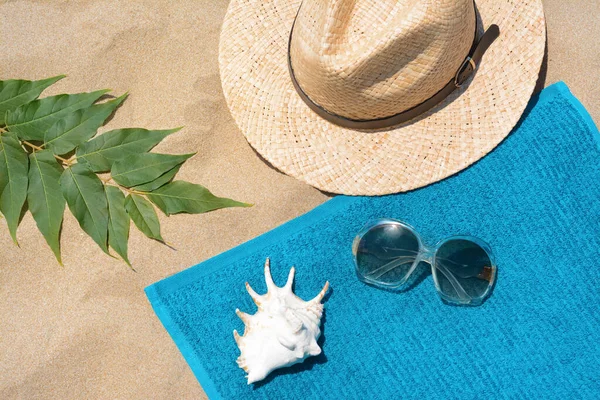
{"x":50,"y":158}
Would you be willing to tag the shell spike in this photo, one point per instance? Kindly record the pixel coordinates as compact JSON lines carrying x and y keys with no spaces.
{"x":321,"y":294}
{"x":314,"y":349}
{"x":268,"y":278}
{"x":237,"y":337}
{"x":243,"y":316}
{"x":290,"y":280}
{"x":255,"y":296}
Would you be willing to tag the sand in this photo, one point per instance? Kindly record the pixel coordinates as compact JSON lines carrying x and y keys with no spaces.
{"x":87,"y":330}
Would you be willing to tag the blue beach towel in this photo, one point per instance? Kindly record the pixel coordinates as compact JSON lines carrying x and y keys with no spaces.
{"x":535,"y":199}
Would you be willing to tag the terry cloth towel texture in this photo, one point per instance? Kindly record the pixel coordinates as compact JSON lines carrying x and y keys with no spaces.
{"x":535,"y":200}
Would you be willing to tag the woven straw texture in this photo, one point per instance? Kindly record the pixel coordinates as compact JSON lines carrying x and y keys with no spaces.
{"x":368,"y":59}
{"x":441,"y":142}
{"x":534,"y":200}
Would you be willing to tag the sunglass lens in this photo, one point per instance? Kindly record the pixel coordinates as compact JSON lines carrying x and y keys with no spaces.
{"x":463,"y":271}
{"x":384,"y":252}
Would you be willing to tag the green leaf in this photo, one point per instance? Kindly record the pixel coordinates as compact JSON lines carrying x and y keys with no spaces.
{"x":160,"y":181}
{"x":14,"y":164}
{"x":44,"y":197}
{"x":85,"y":196}
{"x":118,"y":223}
{"x":79,"y":126}
{"x":31,"y":121}
{"x":14,"y":93}
{"x":101,"y":152}
{"x":142,"y":168}
{"x":185,"y":197}
{"x":143,"y":215}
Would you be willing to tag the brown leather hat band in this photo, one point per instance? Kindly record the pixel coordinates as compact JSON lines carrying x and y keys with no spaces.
{"x":464,"y":72}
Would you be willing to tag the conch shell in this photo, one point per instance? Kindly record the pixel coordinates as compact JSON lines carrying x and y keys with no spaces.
{"x":283,"y":332}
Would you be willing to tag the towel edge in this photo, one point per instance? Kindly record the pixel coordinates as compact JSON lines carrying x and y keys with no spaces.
{"x":182,"y":344}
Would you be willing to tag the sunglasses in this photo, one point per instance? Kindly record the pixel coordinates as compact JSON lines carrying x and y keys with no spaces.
{"x":387,"y":253}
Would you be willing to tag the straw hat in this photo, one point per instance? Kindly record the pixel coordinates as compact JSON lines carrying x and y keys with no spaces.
{"x":370,"y":97}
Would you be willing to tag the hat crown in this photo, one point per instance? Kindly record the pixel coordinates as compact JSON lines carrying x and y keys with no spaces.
{"x":368,"y":59}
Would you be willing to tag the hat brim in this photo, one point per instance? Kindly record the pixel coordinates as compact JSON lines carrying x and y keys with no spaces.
{"x":450,"y":137}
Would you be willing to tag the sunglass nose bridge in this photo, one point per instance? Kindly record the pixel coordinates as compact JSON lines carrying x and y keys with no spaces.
{"x":426,"y":254}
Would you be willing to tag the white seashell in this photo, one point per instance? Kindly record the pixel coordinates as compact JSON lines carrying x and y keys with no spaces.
{"x":283,"y":332}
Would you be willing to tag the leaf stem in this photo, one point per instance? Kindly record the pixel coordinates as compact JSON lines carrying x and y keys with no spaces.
{"x":130,"y":191}
{"x":33,"y":146}
{"x":66,"y":162}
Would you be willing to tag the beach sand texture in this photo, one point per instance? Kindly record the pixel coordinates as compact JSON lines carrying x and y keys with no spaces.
{"x":87,"y":330}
